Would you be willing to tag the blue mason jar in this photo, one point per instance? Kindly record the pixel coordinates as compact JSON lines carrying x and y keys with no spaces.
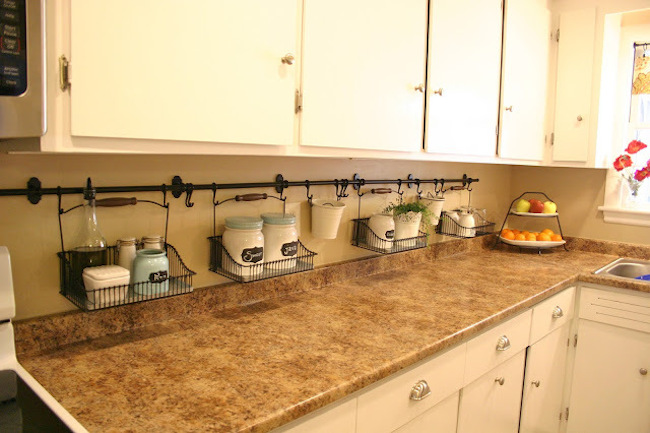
{"x":150,"y":272}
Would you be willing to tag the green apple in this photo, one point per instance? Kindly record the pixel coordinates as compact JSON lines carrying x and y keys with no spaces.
{"x":549,"y":207}
{"x":522,"y":205}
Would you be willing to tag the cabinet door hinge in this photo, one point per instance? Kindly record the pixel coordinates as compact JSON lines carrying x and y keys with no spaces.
{"x":566,"y":414}
{"x":64,"y":73}
{"x":298,"y":102}
{"x":552,"y":138}
{"x":557,"y":35}
{"x":575,"y":340}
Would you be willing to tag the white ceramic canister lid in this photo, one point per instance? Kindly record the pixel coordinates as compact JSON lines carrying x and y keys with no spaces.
{"x":105,"y":272}
{"x":244,"y":223}
{"x":279,"y":219}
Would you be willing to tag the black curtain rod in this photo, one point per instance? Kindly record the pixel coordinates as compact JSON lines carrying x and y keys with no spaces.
{"x":34,"y":191}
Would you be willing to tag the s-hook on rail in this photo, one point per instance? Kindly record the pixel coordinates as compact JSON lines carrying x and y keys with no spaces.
{"x":177,"y":188}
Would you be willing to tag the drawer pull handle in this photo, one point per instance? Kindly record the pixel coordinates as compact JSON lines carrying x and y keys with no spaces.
{"x":420,"y":391}
{"x":643,"y":371}
{"x":557,"y":312}
{"x":536,"y":383}
{"x":503,"y":344}
{"x":500,"y":380}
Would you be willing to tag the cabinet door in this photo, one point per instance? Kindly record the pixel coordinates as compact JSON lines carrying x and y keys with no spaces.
{"x":575,"y":62}
{"x":544,"y":383}
{"x":491,"y":403}
{"x":439,"y":419}
{"x":205,"y":70}
{"x":464,"y":73}
{"x":525,"y":75}
{"x":610,"y":392}
{"x":338,"y":417}
{"x":362,"y":62}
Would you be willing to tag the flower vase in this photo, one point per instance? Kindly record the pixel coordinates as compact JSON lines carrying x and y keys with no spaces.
{"x":630,"y":197}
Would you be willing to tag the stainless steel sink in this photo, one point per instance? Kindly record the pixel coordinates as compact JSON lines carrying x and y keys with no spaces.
{"x":627,"y":268}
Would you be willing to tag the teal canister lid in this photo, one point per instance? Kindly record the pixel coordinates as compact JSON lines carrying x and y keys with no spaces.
{"x":280,"y":219}
{"x":244,"y":223}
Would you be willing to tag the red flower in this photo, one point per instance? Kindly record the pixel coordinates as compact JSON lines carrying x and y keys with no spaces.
{"x":642,"y":174}
{"x":635,"y":146}
{"x":622,"y":162}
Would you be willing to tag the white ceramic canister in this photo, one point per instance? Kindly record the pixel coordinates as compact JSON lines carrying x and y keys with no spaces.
{"x":155,"y":242}
{"x":280,"y":240}
{"x":244,"y":242}
{"x":126,"y":253}
{"x":326,"y":218}
{"x":150,"y":272}
{"x":383,"y":227}
{"x":466,"y":220}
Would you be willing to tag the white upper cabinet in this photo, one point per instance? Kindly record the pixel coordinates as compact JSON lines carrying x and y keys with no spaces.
{"x":204,"y":70}
{"x":524,"y":81}
{"x":362,"y":65}
{"x":463,"y":79}
{"x":574,"y":85}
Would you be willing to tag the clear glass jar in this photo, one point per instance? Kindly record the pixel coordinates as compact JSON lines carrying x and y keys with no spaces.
{"x":90,"y":244}
{"x":126,"y":253}
{"x":155,"y":242}
{"x":280,"y":239}
{"x":244,"y":242}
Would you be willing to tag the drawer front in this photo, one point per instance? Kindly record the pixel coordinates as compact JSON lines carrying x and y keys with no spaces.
{"x":552,"y":314}
{"x":621,"y":309}
{"x":389,"y":404}
{"x":337,"y":417}
{"x":496,"y":345}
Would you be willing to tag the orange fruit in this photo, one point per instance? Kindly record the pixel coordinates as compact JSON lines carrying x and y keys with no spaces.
{"x":525,"y":232}
{"x":508,"y":235}
{"x":515,"y":231}
{"x":548,"y":232}
{"x":556,"y":238}
{"x":543,"y":237}
{"x":520,"y":237}
{"x":504,"y":232}
{"x":531,"y":237}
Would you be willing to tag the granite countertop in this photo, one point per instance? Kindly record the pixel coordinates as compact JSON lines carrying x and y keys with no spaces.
{"x":253,"y":368}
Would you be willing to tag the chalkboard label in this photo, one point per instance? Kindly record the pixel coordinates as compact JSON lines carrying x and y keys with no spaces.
{"x":290,"y":249}
{"x":158,"y":277}
{"x":390,"y":234}
{"x":252,"y":255}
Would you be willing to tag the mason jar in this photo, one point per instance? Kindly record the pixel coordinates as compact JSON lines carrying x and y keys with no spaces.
{"x":150,"y":272}
{"x":244,"y":242}
{"x":280,"y":240}
{"x":155,"y":242}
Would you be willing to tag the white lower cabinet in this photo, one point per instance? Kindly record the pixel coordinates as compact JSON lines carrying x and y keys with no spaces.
{"x":541,"y":405}
{"x":491,"y":403}
{"x":441,"y":418}
{"x":338,"y":417}
{"x":610,"y":391}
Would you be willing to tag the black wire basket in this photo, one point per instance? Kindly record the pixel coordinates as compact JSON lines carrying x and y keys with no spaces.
{"x":365,"y":238}
{"x":72,"y":286}
{"x":450,"y":227}
{"x":222,"y":263}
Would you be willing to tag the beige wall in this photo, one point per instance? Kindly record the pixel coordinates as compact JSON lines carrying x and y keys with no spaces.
{"x":32,"y":235}
{"x":578,"y":193}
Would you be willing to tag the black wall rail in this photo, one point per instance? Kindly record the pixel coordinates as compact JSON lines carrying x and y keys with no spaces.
{"x":34,"y":191}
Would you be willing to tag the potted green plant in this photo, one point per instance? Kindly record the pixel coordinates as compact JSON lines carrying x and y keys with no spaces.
{"x":408,"y":218}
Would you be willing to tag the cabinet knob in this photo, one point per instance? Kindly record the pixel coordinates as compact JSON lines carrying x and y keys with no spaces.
{"x":503,"y":344}
{"x":420,"y":88}
{"x":536,"y":383}
{"x":643,"y":371}
{"x":557,"y":312}
{"x":509,"y":108}
{"x":500,"y":380}
{"x":288,"y":59}
{"x":579,"y":118}
{"x":420,"y":391}
{"x":438,"y":92}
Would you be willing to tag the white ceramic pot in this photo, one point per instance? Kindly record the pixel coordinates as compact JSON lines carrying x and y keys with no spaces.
{"x":383,"y":227}
{"x":407,"y":228}
{"x":325,"y":218}
{"x":466,"y":220}
{"x":435,"y":205}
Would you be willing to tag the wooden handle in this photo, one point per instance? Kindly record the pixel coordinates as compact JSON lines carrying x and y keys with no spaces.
{"x":251,"y":197}
{"x":116,"y":201}
{"x":381,"y":190}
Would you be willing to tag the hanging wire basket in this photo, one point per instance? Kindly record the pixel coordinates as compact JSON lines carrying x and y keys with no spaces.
{"x":222,"y":263}
{"x":365,"y":238}
{"x":72,"y":287}
{"x":450,"y":227}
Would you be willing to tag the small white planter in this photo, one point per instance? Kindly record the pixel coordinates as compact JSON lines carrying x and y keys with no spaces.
{"x":407,"y":226}
{"x":383,"y":226}
{"x":326,"y":218}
